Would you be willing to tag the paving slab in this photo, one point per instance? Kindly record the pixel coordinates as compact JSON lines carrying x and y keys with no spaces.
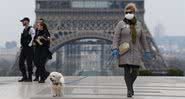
{"x":107,"y":87}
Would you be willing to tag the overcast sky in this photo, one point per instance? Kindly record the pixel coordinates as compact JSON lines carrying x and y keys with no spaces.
{"x":169,"y":13}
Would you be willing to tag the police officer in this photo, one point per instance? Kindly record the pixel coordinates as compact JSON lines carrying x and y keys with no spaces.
{"x":26,"y":54}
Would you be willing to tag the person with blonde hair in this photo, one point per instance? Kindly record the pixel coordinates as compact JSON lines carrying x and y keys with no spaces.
{"x":128,"y":41}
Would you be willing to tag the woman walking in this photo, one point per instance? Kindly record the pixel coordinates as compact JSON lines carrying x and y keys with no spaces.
{"x":34,"y":44}
{"x":41,"y":54}
{"x":127,"y":46}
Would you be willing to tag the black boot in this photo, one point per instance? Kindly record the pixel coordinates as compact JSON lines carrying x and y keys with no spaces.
{"x":132,"y":90}
{"x":134,"y":76}
{"x":41,"y":81}
{"x":23,"y":79}
{"x":128,"y":80}
{"x":129,"y":94}
{"x":46,"y":75}
{"x":36,"y":75}
{"x":36,"y":79}
{"x":29,"y":78}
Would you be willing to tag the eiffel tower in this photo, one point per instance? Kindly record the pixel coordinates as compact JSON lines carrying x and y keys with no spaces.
{"x":70,"y":20}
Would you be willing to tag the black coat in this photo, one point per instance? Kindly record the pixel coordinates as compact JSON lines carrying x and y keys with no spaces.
{"x":41,"y":52}
{"x":46,"y":35}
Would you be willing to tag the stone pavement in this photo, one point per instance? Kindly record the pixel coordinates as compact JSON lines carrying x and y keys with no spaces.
{"x":96,"y":88}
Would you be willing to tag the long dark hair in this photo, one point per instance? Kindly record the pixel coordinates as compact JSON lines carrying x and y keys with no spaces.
{"x":44,"y":26}
{"x":45,"y":29}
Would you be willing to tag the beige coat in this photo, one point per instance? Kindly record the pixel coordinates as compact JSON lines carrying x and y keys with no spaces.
{"x":135,"y":54}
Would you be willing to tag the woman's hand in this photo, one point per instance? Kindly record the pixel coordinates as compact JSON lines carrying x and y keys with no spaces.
{"x":148,"y":56}
{"x":115,"y":53}
{"x":39,"y":40}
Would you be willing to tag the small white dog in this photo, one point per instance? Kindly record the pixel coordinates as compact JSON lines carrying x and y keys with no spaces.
{"x":57,"y":84}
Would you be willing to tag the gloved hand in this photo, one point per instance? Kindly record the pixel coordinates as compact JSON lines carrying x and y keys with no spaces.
{"x":115,"y":53}
{"x":148,"y":56}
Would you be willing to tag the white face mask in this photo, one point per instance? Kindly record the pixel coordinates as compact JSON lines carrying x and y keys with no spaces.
{"x":129,"y":16}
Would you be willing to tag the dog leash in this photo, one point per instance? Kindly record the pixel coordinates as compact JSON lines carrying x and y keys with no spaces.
{"x":109,"y":62}
{"x":71,"y":82}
